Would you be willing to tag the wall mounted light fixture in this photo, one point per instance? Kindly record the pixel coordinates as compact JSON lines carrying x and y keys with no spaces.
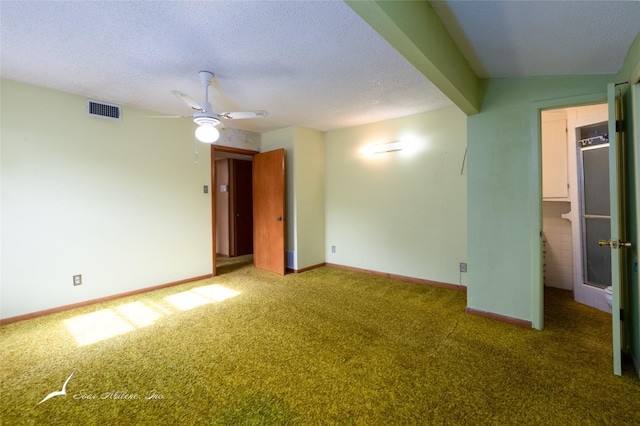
{"x":381,"y":148}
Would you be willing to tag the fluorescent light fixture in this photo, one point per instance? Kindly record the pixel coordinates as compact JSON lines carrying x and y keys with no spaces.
{"x":381,"y":148}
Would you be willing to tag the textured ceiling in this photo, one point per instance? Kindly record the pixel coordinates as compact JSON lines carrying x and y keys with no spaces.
{"x":308,"y":63}
{"x":311,"y":64}
{"x":515,"y":38}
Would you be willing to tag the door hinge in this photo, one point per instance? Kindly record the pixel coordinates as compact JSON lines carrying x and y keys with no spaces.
{"x":619,"y":126}
{"x":621,"y":314}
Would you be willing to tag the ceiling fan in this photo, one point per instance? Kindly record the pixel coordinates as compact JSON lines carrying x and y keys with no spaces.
{"x":205,"y":118}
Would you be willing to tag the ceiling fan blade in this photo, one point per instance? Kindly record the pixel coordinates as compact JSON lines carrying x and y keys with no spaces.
{"x":169,"y":116}
{"x":243,"y":115}
{"x":187,"y":100}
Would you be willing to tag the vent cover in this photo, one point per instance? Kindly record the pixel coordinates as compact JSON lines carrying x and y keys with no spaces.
{"x":103,"y":110}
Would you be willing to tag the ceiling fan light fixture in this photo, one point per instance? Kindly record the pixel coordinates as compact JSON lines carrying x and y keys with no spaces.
{"x":207,"y":133}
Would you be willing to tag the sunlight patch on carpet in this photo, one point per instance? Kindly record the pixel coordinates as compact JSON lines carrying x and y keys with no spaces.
{"x":216,"y":292}
{"x":107,"y":323}
{"x":138,"y":313}
{"x":97,"y":326}
{"x":199,"y":296}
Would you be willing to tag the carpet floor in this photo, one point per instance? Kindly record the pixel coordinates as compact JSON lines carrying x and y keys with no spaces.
{"x":327,"y":346}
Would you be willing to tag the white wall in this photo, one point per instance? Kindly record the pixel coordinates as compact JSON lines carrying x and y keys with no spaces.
{"x":121,"y":203}
{"x":558,"y":245}
{"x":402,"y":212}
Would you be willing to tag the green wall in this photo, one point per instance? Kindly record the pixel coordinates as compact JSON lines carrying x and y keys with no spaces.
{"x":504,"y":190}
{"x":401,"y":212}
{"x":120,"y":202}
{"x":630,"y":70}
{"x":309,"y":194}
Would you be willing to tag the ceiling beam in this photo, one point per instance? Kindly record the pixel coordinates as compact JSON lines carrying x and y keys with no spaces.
{"x":414,"y":30}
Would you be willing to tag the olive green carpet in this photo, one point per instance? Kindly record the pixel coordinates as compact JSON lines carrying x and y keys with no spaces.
{"x":328,"y":346}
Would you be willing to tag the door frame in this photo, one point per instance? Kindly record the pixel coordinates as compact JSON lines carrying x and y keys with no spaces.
{"x":537,"y":279}
{"x":213,"y":150}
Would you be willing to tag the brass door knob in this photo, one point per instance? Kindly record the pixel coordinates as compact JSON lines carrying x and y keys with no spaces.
{"x":613,"y":244}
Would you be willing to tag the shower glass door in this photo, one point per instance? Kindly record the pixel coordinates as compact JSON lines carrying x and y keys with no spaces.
{"x":596,"y":216}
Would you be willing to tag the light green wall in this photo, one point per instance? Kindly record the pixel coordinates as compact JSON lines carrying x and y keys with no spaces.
{"x":121,"y":203}
{"x":309,"y":195}
{"x":402,"y":212}
{"x":504,"y":190}
{"x":630,"y":70}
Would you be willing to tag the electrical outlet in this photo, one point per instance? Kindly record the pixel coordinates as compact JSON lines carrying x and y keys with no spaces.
{"x":77,"y":280}
{"x":333,"y":249}
{"x":463,"y":267}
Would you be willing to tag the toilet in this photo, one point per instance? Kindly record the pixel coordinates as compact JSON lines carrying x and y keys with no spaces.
{"x":608,"y":294}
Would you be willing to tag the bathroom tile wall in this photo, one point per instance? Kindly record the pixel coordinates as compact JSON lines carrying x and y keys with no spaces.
{"x":558,"y":248}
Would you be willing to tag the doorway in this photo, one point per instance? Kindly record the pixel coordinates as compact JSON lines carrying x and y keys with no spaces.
{"x":269,"y":207}
{"x":575,"y":202}
{"x":234,"y":206}
{"x":227,"y":242}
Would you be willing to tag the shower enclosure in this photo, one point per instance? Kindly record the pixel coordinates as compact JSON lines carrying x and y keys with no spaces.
{"x":593,"y":145}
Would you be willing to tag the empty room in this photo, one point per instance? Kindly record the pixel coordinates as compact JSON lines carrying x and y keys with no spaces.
{"x":319,"y":212}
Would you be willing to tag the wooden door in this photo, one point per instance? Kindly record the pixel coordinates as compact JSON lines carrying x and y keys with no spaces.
{"x":269,"y":211}
{"x":242,"y":208}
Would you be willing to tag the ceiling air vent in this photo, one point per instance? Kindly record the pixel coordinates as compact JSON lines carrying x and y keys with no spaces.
{"x":104,"y":110}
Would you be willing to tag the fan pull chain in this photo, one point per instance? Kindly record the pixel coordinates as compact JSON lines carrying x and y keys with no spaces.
{"x":195,"y":151}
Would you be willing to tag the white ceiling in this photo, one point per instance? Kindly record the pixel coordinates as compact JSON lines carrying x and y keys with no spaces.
{"x":315,"y":64}
{"x":523,"y":38}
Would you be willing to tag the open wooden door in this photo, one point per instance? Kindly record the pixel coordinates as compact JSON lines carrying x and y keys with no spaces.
{"x":619,"y":240}
{"x":269,"y":211}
